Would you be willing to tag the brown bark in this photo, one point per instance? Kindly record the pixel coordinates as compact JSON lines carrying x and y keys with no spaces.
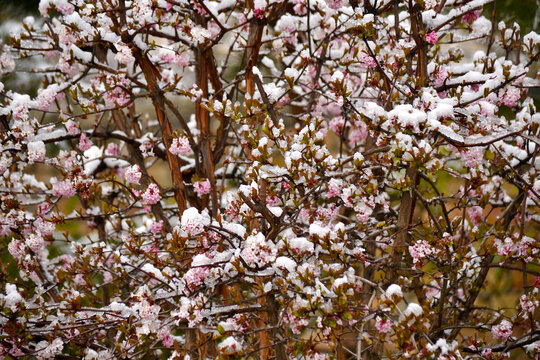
{"x":151,"y":75}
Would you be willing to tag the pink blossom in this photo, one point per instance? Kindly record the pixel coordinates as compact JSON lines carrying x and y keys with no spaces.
{"x":36,"y":151}
{"x":440,"y":77}
{"x":273,"y":200}
{"x":420,"y":250}
{"x":504,"y":248}
{"x":19,"y":107}
{"x":45,"y":228}
{"x":329,"y":212}
{"x":432,"y":37}
{"x":166,"y":338}
{"x":369,"y":61}
{"x":46,"y":98}
{"x":299,"y":7}
{"x":147,"y":311}
{"x":63,"y":188}
{"x":181,"y":60}
{"x":195,"y":277}
{"x":64,"y":7}
{"x":335,"y":186}
{"x":16,"y":248}
{"x":502,"y":331}
{"x":113,"y":149}
{"x":475,"y":214}
{"x":259,"y":12}
{"x":133,"y":174}
{"x":180,"y":146}
{"x":383,"y":326}
{"x":510,"y":97}
{"x":527,"y":304}
{"x":72,"y":127}
{"x":156,"y":227}
{"x":202,"y":187}
{"x":357,"y":133}
{"x":151,"y":196}
{"x":35,"y":242}
{"x":199,"y":8}
{"x":337,"y":124}
{"x":334,"y":4}
{"x":124,"y":54}
{"x":84,"y":143}
{"x":471,"y":16}
{"x":363,"y":212}
{"x":472,"y":156}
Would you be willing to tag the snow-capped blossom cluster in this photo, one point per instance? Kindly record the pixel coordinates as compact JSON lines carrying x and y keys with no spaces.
{"x":510,"y":97}
{"x":45,"y":98}
{"x":36,"y":151}
{"x":20,"y":107}
{"x":269,"y":179}
{"x":193,"y":222}
{"x":124,"y":55}
{"x":257,"y":251}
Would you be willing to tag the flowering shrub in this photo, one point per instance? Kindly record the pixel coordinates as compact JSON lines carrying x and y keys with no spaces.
{"x":269,"y":179}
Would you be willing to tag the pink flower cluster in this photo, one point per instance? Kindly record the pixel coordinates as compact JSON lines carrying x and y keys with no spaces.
{"x":84,"y":143}
{"x":472,"y":156}
{"x":151,"y":196}
{"x":334,"y":188}
{"x":337,"y":124}
{"x":471,"y":16}
{"x":195,"y":277}
{"x":36,"y":151}
{"x":475,"y":214}
{"x":432,"y":37}
{"x":63,"y":188}
{"x":420,"y":250}
{"x":202,"y":187}
{"x":180,"y":146}
{"x":124,"y":55}
{"x":510,"y":97}
{"x":383,"y":326}
{"x":46,"y":98}
{"x":502,"y":331}
{"x":133,"y":174}
{"x":72,"y":127}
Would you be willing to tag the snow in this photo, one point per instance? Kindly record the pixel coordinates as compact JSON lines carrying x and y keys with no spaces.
{"x":392,"y":290}
{"x":83,"y":56}
{"x":414,"y":309}
{"x":301,"y":245}
{"x":12,"y":297}
{"x":92,"y":159}
{"x":315,"y":229}
{"x":229,"y":346}
{"x":284,"y":262}
{"x":276,"y":210}
{"x":443,"y":346}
